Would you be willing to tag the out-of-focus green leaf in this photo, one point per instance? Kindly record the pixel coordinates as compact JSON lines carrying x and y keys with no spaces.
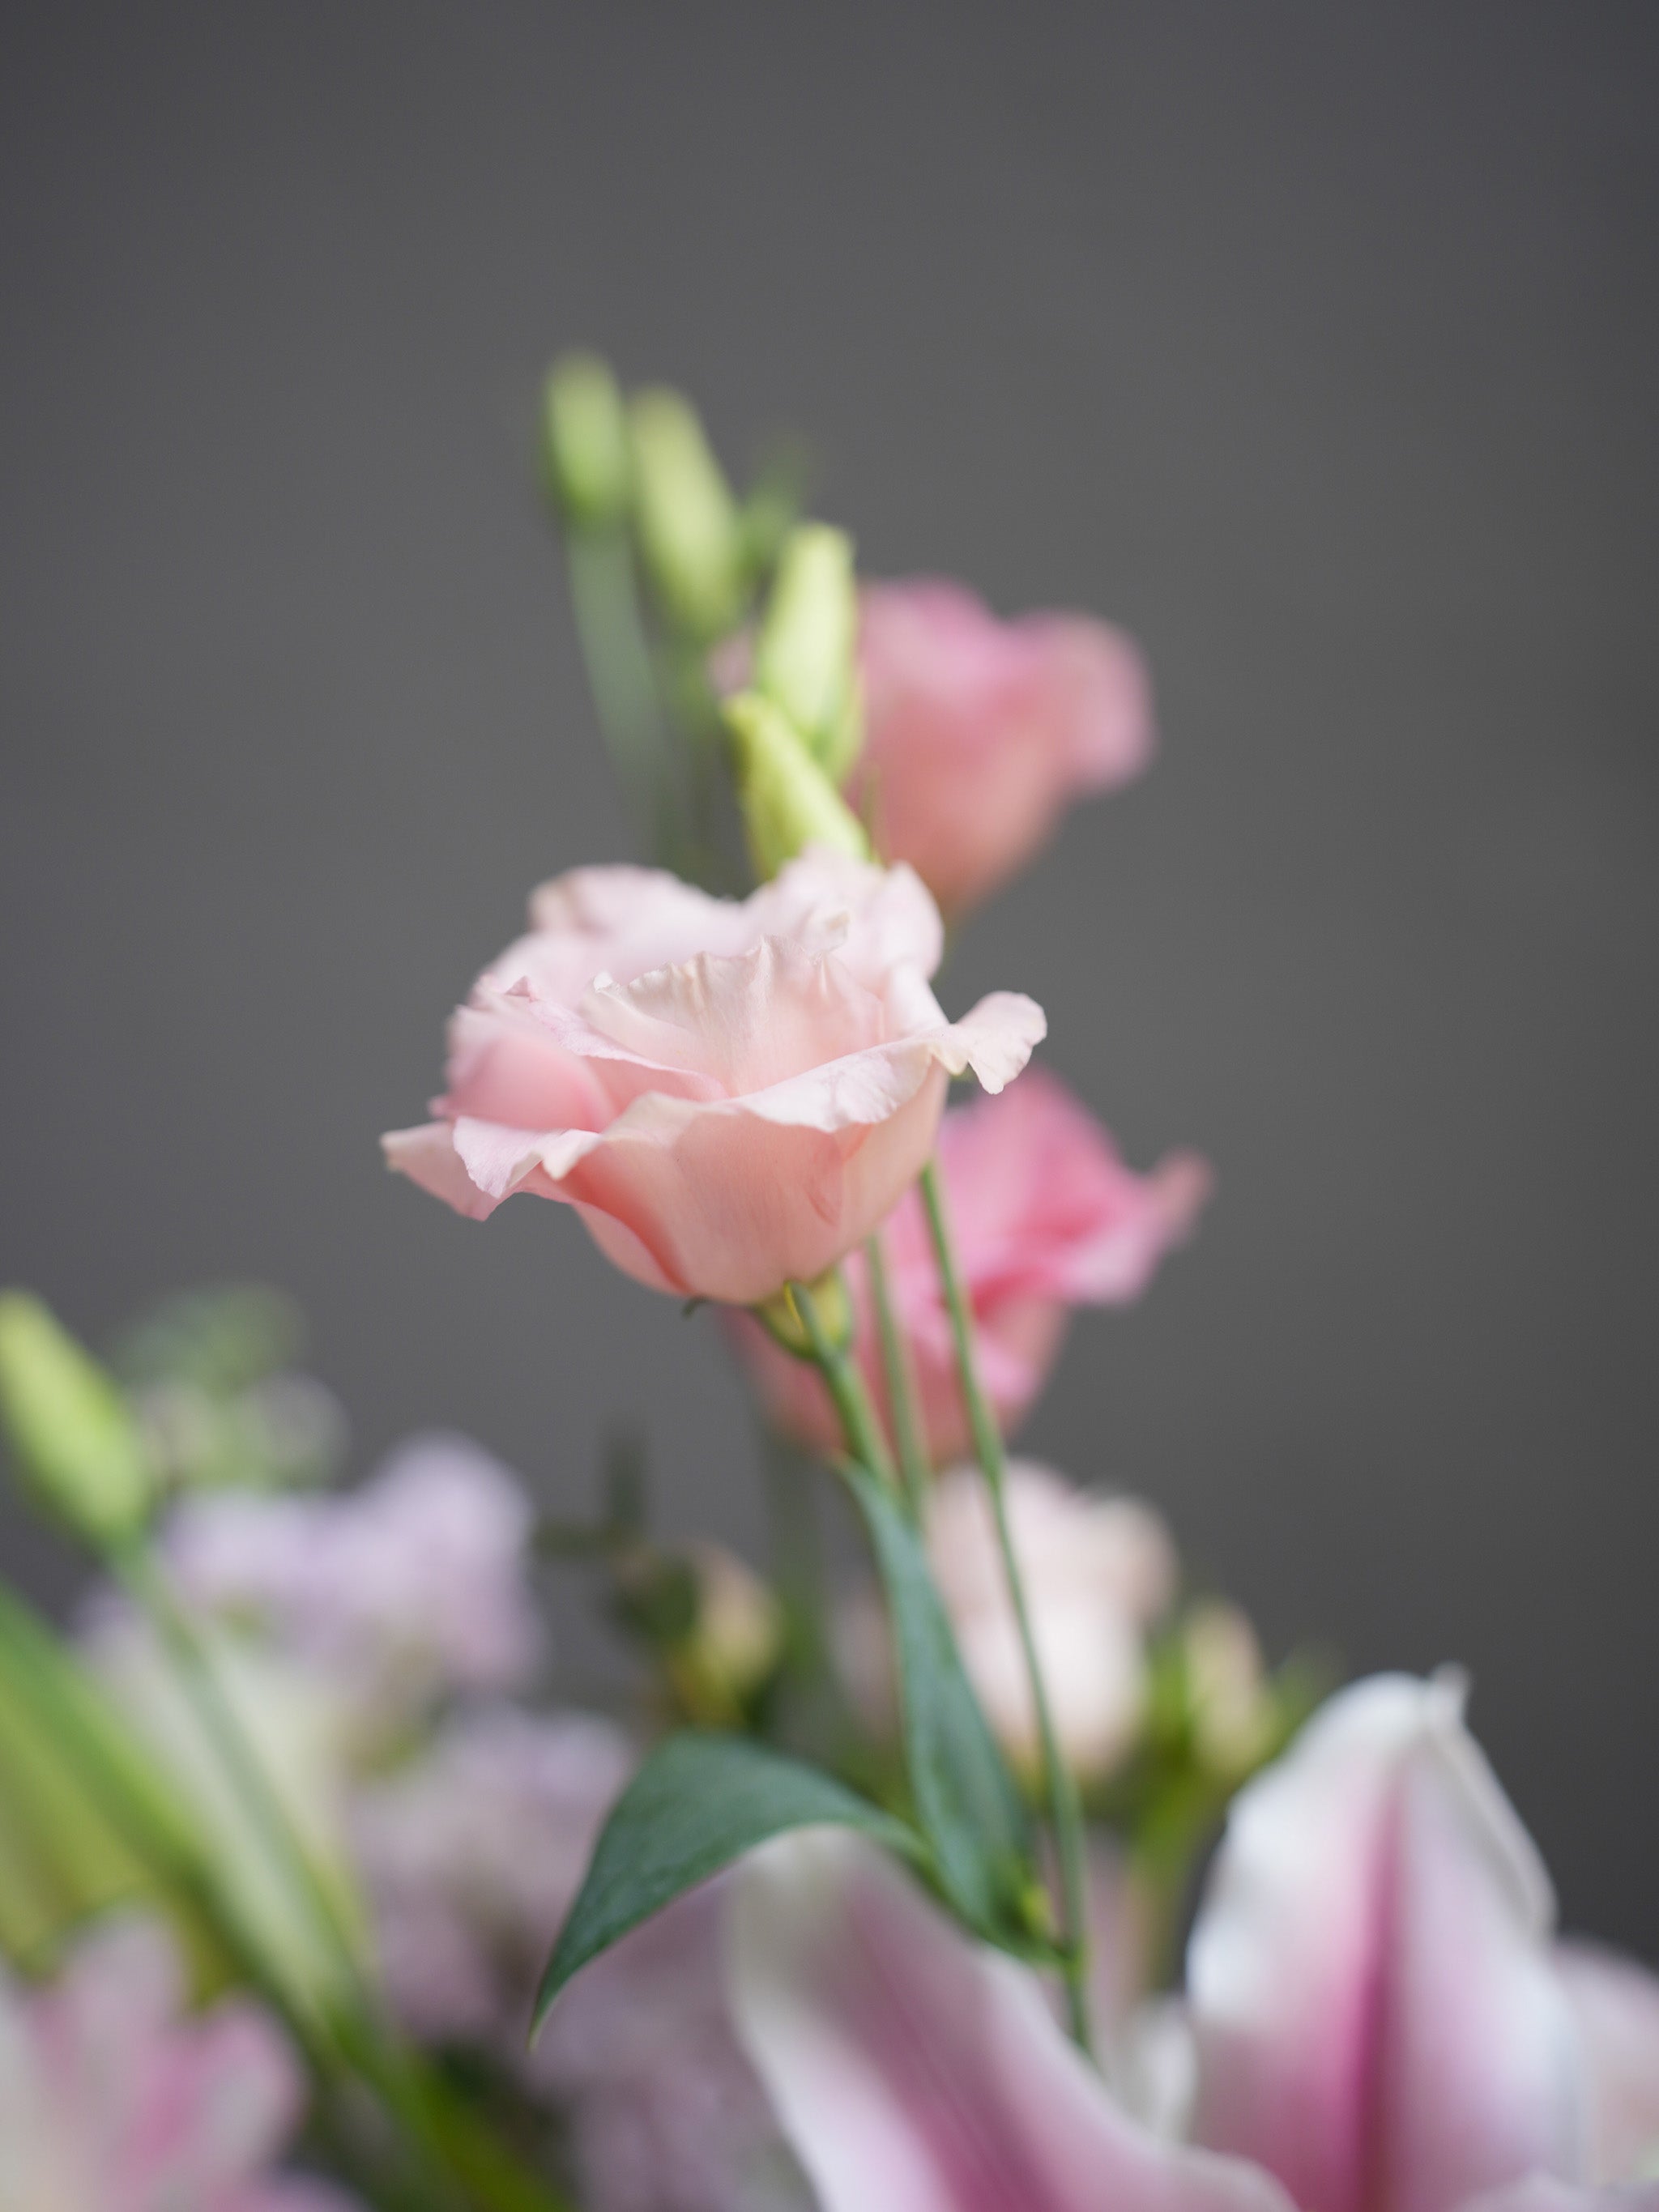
{"x":85,"y":1821}
{"x":701,"y":1801}
{"x":73,"y":1436}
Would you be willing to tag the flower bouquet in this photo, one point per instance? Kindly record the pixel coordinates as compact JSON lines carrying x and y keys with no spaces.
{"x":976,"y":1859}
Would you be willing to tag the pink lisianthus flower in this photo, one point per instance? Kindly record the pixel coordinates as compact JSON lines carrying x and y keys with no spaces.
{"x":396,"y":1593}
{"x":1097,"y":1572}
{"x":979,"y":733}
{"x":731,"y":1094}
{"x":1046,"y":1216}
{"x":112,"y":2099}
{"x":1377,"y":2018}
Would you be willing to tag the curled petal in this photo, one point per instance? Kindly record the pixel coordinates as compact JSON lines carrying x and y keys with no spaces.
{"x":915,"y":2072}
{"x":1378,"y":2015}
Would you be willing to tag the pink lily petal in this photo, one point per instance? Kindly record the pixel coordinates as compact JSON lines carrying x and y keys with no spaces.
{"x":915,"y":2072}
{"x":1378,"y":2014}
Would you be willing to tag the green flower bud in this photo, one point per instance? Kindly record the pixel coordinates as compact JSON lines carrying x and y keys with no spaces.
{"x":585,"y":462}
{"x":75,"y":1444}
{"x":781,"y":1318}
{"x":787,"y":801}
{"x":804,"y":656}
{"x":689,"y":524}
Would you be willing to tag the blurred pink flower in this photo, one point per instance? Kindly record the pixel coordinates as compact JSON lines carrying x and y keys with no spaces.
{"x":412,"y":1586}
{"x":1377,"y":2016}
{"x":979,"y":733}
{"x":667,"y":2113}
{"x":471,"y":1856}
{"x":1097,"y":1571}
{"x":472,"y":1853}
{"x":113,"y":2100}
{"x":1046,"y":1216}
{"x":730,"y":1095}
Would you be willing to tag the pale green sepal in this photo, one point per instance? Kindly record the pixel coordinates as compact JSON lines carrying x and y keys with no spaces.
{"x":804,"y":656}
{"x":587,"y":462}
{"x":787,"y":801}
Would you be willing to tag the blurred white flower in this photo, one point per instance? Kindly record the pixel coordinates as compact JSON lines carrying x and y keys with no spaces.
{"x":1097,"y":1572}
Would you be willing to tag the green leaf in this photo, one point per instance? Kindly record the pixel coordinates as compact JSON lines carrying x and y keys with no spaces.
{"x":967,"y":1803}
{"x":700,"y":1800}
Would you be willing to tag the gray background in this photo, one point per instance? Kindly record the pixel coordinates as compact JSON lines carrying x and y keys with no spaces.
{"x":1317,"y":344}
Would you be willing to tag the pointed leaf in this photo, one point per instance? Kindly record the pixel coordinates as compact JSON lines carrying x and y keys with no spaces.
{"x":967,"y":1802}
{"x":701,"y":1801}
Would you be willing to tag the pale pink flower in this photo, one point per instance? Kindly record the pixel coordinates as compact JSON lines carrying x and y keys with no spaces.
{"x":414,"y":1585}
{"x":471,"y":1856}
{"x":914,"y":2071}
{"x":731,"y":1094}
{"x":1377,"y":2017}
{"x":1097,"y":1572}
{"x":980,"y":733}
{"x":112,"y":2099}
{"x":1046,"y":1216}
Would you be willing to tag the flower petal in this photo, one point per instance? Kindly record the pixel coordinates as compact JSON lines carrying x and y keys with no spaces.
{"x":1617,"y":2005}
{"x":915,"y":2072}
{"x":1378,"y":2012}
{"x":428,"y":1156}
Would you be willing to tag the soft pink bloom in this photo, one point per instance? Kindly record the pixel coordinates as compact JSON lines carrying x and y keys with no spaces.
{"x":665,"y":2110}
{"x":980,"y":733}
{"x":472,"y":1853}
{"x":1046,"y":1216}
{"x":412,"y":1586}
{"x":471,"y":1856}
{"x":1374,"y":1996}
{"x":1377,"y":2017}
{"x":113,"y":2100}
{"x":915,"y":2072}
{"x":731,"y":1094}
{"x":1097,"y":1572}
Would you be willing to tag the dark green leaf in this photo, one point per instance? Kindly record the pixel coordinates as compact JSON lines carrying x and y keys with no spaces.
{"x":967,"y":1803}
{"x":700,"y":1800}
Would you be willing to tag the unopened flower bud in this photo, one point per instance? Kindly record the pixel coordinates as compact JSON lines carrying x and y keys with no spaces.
{"x":781,"y":1317}
{"x":688,"y":525}
{"x":1232,"y":1707}
{"x":736,"y":1641}
{"x":787,"y":801}
{"x":74,"y":1441}
{"x":805,"y":654}
{"x":585,"y":450}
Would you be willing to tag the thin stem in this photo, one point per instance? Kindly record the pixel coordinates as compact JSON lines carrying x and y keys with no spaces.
{"x":611,"y":630}
{"x":1064,"y":1808}
{"x":847,"y":1388}
{"x":900,"y":1383}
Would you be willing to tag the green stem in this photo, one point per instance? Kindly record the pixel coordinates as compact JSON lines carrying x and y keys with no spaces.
{"x":486,"y":2175}
{"x":847,"y":1388}
{"x":914,"y":1467}
{"x":1065,"y":1807}
{"x":610,"y":628}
